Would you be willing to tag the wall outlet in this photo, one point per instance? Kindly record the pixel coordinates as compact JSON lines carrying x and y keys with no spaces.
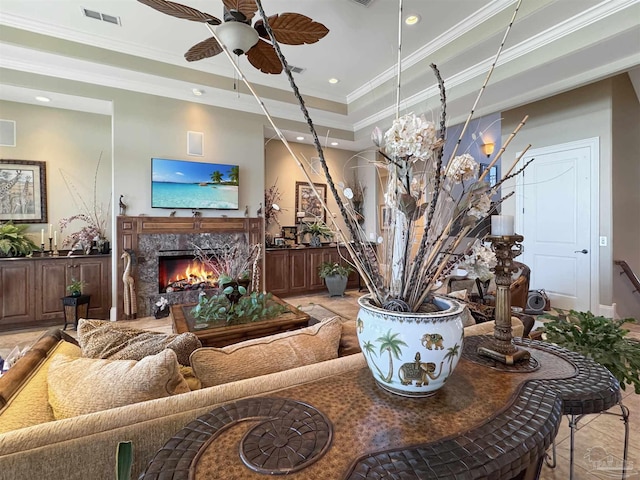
{"x":603,"y":241}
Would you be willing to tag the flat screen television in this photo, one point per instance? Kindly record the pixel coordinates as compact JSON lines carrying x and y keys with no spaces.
{"x":194,"y":185}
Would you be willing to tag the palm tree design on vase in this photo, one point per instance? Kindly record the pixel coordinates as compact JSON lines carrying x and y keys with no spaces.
{"x":370,"y":349}
{"x":452,"y":353}
{"x":391,"y":344}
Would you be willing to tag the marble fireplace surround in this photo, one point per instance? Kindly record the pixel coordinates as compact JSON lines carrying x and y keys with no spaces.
{"x":152,"y":237}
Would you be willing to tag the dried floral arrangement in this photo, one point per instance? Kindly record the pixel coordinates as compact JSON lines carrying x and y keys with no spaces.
{"x":230,"y":261}
{"x":92,"y":214}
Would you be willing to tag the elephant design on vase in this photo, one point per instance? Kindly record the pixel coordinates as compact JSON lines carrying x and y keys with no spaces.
{"x":418,"y":371}
{"x":430,"y":340}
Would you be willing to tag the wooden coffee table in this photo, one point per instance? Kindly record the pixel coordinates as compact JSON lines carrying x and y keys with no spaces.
{"x":222,"y":335}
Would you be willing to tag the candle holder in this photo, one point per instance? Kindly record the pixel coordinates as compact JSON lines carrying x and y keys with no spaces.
{"x":50,"y":246}
{"x":55,"y":250}
{"x":501,"y":347}
{"x":42,"y":249}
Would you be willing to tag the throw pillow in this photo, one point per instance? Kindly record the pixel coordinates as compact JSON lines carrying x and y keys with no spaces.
{"x":274,"y":353}
{"x":349,"y":339}
{"x":103,"y":339}
{"x":85,"y":385}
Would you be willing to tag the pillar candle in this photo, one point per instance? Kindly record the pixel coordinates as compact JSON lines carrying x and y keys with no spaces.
{"x":55,"y":238}
{"x":50,"y":228}
{"x":42,"y":236}
{"x":502,"y":225}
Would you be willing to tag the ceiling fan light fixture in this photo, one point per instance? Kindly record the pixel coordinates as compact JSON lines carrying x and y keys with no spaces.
{"x":238,"y":37}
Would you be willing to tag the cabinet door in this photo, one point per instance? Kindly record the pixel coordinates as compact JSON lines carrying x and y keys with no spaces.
{"x":94,"y":275}
{"x":277,"y":272}
{"x":316,"y":257}
{"x":298,"y":274}
{"x":51,"y":283}
{"x":16,"y":287}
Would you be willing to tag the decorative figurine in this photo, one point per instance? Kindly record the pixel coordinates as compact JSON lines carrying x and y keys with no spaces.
{"x":130,"y":302}
{"x":123,"y":206}
{"x":172,"y":214}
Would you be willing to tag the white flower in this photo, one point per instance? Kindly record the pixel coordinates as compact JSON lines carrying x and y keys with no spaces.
{"x":463,"y":167}
{"x":481,"y":207}
{"x":479,"y":262}
{"x":348,"y":193}
{"x":162,"y":303}
{"x":411,"y":136}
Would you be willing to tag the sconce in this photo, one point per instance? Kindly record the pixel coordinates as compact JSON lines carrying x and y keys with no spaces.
{"x":488,"y":148}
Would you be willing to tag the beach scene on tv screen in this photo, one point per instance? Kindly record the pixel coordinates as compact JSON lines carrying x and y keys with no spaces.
{"x":183,"y":184}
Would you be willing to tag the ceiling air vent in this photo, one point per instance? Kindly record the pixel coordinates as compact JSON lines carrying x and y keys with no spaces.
{"x":293,"y":69}
{"x":364,"y":3}
{"x":101,"y":16}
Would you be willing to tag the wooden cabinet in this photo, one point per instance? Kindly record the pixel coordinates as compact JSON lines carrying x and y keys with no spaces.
{"x":32,"y":288}
{"x":295,"y":271}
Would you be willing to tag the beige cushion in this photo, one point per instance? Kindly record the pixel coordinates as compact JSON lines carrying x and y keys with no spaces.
{"x":85,"y":385}
{"x":486,"y":328}
{"x":348,"y":339}
{"x":103,"y":339}
{"x":274,"y":353}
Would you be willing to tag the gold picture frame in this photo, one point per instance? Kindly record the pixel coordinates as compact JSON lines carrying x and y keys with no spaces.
{"x":309,"y":203}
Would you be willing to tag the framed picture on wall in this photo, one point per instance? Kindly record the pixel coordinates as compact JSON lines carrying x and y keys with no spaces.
{"x":492,"y":176}
{"x":309,"y":203}
{"x":23,"y":191}
{"x":385,"y":217}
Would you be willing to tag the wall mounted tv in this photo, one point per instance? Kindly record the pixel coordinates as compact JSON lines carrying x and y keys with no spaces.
{"x":184,"y":184}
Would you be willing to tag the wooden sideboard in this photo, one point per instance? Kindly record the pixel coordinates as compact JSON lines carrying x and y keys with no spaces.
{"x":31,"y":288}
{"x":294,"y":271}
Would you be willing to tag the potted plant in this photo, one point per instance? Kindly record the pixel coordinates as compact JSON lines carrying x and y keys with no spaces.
{"x":14,"y":242}
{"x":599,"y":338}
{"x":75,"y":287}
{"x":317,"y":230}
{"x":335,"y":277}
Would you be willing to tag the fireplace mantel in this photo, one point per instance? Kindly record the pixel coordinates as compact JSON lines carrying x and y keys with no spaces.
{"x":143,"y":235}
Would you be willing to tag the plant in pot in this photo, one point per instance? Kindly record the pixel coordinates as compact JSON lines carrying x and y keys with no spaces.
{"x":317,"y":230}
{"x":14,"y":242}
{"x":335,"y":276}
{"x":599,"y":338}
{"x":75,"y":287}
{"x":434,"y":205}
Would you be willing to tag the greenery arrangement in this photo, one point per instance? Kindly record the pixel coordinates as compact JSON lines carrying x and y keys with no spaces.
{"x":601,"y":339}
{"x":328,"y":269}
{"x":75,"y":287}
{"x":317,"y":230}
{"x":249,"y":308}
{"x":14,"y":242}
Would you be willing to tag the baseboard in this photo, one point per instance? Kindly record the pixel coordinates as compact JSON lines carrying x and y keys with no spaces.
{"x":113,"y":314}
{"x":608,"y":311}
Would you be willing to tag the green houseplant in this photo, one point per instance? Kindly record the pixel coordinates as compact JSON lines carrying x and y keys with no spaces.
{"x":601,"y":339}
{"x":14,"y":242}
{"x":335,"y":277}
{"x":75,"y":287}
{"x":317,"y":230}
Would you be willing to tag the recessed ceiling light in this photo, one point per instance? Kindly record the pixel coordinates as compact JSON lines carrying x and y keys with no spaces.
{"x":412,"y":19}
{"x":299,"y":138}
{"x":41,"y":98}
{"x":333,"y":80}
{"x":334,"y":143}
{"x":197,"y":92}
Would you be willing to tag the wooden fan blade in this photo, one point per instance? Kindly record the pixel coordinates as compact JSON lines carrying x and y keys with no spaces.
{"x":181,"y":11}
{"x":205,"y":49}
{"x":264,"y":58}
{"x":296,"y":29}
{"x":247,"y":7}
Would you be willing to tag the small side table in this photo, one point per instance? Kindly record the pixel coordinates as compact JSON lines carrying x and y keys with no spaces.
{"x":75,"y":308}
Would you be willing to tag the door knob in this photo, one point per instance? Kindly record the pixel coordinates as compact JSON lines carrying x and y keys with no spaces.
{"x":584,"y":250}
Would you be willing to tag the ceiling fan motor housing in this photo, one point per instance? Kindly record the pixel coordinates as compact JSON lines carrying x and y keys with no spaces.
{"x":238,"y":37}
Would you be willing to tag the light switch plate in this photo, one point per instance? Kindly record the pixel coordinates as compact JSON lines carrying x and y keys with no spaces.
{"x":603,"y":241}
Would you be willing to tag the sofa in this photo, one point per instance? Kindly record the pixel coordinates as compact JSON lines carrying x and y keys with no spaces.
{"x":34,"y":444}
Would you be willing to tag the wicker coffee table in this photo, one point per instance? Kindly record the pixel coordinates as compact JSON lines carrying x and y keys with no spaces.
{"x":220,"y":336}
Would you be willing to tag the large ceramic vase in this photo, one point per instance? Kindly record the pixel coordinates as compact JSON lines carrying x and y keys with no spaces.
{"x":411,"y":354}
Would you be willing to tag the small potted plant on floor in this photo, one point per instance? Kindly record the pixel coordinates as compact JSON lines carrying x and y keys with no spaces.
{"x":335,"y":277}
{"x":75,"y":287}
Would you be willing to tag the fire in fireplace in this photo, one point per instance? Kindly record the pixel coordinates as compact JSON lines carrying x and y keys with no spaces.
{"x":183,"y":272}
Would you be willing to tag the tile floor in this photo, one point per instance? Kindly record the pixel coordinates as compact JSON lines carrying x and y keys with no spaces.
{"x":598,"y":440}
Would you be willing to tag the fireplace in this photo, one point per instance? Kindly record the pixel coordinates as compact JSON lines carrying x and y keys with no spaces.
{"x":177,"y":273}
{"x":157,"y":240}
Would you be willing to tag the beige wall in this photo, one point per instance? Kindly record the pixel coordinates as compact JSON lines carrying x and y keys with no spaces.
{"x":282,"y":170}
{"x":70,"y":143}
{"x":579,"y":114}
{"x":626,"y":193}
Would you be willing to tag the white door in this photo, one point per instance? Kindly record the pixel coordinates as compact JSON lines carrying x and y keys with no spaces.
{"x":557,"y":214}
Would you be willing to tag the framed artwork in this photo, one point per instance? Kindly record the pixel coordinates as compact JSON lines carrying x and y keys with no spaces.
{"x":289,"y":233}
{"x":385,"y":217}
{"x":309,"y":203}
{"x":23,"y":191}
{"x":492,"y":176}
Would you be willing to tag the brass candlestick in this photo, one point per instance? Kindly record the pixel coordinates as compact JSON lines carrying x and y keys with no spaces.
{"x":501,"y":347}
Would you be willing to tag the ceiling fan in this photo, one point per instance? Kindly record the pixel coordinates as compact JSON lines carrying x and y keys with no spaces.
{"x":240,"y":37}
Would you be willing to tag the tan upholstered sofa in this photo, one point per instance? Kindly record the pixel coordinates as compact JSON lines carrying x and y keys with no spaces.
{"x":33,"y":445}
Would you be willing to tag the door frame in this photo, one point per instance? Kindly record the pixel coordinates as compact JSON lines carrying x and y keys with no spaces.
{"x":593,"y":144}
